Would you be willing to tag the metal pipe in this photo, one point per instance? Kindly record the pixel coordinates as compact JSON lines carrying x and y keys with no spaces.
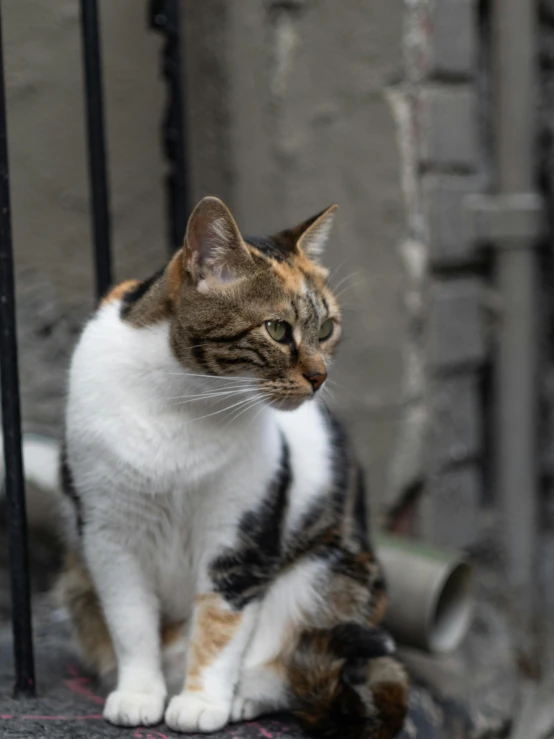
{"x":165,"y":16}
{"x":430,"y":594}
{"x":11,"y":424}
{"x":96,"y":146}
{"x":514,"y":56}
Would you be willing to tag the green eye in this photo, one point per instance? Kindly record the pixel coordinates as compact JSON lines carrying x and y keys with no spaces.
{"x":278,"y":330}
{"x":326,"y":330}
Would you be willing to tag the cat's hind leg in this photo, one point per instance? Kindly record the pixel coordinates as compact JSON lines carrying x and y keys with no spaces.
{"x":262,"y":689}
{"x":263,"y":686}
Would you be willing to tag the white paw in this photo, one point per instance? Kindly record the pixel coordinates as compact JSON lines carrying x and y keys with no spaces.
{"x":245,"y":709}
{"x":124,"y":708}
{"x":189,"y":712}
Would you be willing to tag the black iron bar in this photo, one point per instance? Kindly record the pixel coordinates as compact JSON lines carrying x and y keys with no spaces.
{"x":11,"y":425}
{"x":96,"y":145}
{"x":165,"y":16}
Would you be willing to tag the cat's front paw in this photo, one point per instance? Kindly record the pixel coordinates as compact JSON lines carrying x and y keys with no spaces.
{"x":189,"y":712}
{"x":245,"y":709}
{"x":125,"y":708}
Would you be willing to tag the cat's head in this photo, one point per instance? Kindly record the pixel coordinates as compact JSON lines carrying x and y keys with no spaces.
{"x":255,"y":307}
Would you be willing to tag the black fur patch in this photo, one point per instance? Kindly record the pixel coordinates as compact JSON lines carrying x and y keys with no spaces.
{"x":341,"y":458}
{"x":200,"y":356}
{"x":269,"y":246}
{"x":360,"y":510}
{"x":243,"y":572}
{"x":225,"y":361}
{"x":69,"y":489}
{"x":138,"y":292}
{"x":318,"y":531}
{"x":222,"y":338}
{"x":354,"y":641}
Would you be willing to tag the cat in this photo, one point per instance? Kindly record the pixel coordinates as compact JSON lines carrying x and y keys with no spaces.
{"x":212,"y":503}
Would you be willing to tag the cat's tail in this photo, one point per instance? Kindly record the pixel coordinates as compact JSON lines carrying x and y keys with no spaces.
{"x":346,"y":685}
{"x":42,"y":490}
{"x":78,"y":595}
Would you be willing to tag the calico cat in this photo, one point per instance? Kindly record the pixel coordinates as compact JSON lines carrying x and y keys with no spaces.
{"x":213,"y":504}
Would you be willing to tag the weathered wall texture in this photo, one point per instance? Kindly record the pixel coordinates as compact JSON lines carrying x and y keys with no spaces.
{"x":49,"y":181}
{"x":437,"y":481}
{"x":292,"y":116}
{"x":292,"y":106}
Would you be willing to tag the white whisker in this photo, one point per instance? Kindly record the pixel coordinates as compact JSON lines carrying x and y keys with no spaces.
{"x":228,"y":394}
{"x":253,"y":404}
{"x":223,"y":410}
{"x":344,"y":279}
{"x":213,"y":393}
{"x":336,"y":270}
{"x":228,"y":378}
{"x":259,"y":411}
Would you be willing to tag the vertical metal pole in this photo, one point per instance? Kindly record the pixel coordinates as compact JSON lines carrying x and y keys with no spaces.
{"x":11,"y":424}
{"x":96,"y":145}
{"x":514,"y":58}
{"x":165,"y":16}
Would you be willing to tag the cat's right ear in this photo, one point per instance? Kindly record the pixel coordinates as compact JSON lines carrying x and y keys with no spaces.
{"x":214,"y":253}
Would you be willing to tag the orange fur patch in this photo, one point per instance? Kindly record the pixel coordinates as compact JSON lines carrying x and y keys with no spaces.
{"x":314,"y":270}
{"x":379,"y":610}
{"x":117,"y":292}
{"x":291,"y":278}
{"x":391,"y":700}
{"x":214,"y":628}
{"x":175,"y":276}
{"x":77,"y":592}
{"x":171,"y":633}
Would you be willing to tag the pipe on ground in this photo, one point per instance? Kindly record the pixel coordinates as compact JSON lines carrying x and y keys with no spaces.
{"x":430,"y":594}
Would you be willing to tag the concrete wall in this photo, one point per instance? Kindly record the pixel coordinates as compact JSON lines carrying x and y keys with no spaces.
{"x":375,"y":106}
{"x":291,"y":106}
{"x":437,"y":485}
{"x":289,"y":114}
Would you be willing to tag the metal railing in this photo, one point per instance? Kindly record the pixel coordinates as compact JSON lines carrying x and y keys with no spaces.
{"x":164,"y":16}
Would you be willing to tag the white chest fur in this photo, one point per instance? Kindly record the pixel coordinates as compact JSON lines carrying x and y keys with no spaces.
{"x":167,"y":474}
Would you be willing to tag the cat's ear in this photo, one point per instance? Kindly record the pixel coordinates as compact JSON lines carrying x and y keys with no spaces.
{"x":214,"y":251}
{"x":311,"y":236}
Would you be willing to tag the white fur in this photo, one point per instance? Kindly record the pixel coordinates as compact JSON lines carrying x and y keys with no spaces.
{"x":163,"y":483}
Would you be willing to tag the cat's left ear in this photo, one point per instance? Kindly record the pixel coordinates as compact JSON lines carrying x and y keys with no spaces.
{"x":214,"y":251}
{"x":313,"y":234}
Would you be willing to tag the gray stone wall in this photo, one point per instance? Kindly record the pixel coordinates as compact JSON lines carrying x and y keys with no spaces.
{"x":437,"y":110}
{"x":289,"y":113}
{"x":291,"y":106}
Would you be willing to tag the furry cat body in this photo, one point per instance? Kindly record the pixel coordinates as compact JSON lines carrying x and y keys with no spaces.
{"x":197,"y":509}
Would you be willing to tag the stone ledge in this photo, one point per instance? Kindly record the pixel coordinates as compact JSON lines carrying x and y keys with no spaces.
{"x":69,"y":703}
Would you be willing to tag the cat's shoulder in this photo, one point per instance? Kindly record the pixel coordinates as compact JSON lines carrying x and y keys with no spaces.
{"x":112,"y":351}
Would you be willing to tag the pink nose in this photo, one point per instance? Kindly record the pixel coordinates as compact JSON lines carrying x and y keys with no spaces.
{"x":316,"y":379}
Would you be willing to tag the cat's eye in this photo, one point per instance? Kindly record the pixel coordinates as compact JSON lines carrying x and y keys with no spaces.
{"x":326,"y":330}
{"x":278,"y":330}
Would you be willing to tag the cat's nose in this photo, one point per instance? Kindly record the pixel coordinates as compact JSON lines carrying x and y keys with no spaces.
{"x":316,"y":379}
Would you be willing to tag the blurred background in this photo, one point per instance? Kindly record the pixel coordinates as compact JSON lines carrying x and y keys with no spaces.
{"x":431,"y":124}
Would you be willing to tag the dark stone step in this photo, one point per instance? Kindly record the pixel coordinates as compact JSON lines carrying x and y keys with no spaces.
{"x":69,"y":703}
